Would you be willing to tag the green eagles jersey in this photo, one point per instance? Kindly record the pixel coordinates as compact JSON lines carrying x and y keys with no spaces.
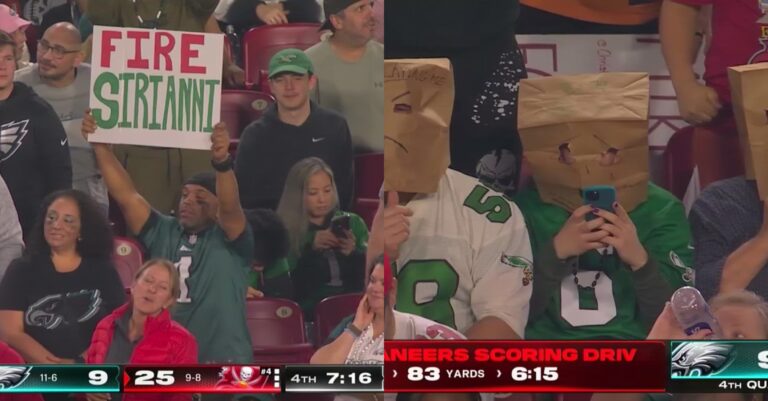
{"x":289,"y":265}
{"x":597,"y":298}
{"x":212,"y":274}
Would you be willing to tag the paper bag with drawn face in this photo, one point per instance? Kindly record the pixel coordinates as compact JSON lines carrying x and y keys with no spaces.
{"x":750,"y":107}
{"x":583,"y":130}
{"x":418,"y":102}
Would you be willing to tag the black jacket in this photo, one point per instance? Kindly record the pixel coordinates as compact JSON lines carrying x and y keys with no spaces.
{"x":34,"y":152}
{"x":269,"y":148}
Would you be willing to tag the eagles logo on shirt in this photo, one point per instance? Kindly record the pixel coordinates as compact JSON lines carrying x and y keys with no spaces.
{"x":51,"y":311}
{"x":520,"y":263}
{"x":11,"y":135}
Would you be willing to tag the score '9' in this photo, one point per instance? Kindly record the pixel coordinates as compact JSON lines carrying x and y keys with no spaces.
{"x":97,"y":377}
{"x":417,"y":373}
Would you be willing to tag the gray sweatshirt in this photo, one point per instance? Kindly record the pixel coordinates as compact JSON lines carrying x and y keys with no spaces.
{"x":11,"y":243}
{"x":727,"y":214}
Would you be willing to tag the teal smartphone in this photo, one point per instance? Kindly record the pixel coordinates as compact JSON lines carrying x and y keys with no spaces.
{"x":599,"y":197}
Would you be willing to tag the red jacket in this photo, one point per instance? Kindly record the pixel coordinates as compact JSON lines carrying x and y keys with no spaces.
{"x":9,"y":356}
{"x":164,"y":342}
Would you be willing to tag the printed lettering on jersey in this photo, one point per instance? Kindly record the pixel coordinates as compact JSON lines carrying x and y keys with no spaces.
{"x":519,"y":262}
{"x":74,"y":307}
{"x":11,"y":136}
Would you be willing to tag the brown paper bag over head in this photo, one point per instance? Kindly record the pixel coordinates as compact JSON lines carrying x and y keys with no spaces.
{"x":583,"y":130}
{"x":750,"y":108}
{"x":418,"y":102}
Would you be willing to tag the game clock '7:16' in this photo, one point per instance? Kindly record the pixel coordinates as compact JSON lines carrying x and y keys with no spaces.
{"x":351,"y":378}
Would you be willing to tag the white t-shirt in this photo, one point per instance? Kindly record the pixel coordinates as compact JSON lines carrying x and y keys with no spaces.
{"x":468,"y":257}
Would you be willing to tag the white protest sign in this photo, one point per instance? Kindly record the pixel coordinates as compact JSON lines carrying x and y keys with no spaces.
{"x":155,"y":87}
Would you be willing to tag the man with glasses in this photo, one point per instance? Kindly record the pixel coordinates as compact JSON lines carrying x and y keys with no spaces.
{"x":61,"y":78}
{"x":34,"y":152}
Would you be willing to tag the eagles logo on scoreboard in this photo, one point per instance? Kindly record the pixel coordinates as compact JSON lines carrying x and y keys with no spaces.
{"x":700,"y":358}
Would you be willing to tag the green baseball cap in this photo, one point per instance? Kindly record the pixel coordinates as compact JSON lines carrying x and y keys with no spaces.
{"x":290,"y":60}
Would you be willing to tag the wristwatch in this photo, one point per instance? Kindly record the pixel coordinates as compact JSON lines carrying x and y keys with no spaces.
{"x":352,"y":329}
{"x":224,"y":166}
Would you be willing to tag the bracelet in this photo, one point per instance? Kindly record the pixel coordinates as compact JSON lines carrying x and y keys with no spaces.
{"x":224,"y":166}
{"x":353,"y":330}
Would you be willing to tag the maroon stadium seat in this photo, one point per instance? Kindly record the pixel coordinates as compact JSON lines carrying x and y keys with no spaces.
{"x":366,"y":208}
{"x":239,"y":108}
{"x":128,"y":257}
{"x":261,"y":43}
{"x":332,"y":310}
{"x":678,"y":161}
{"x":369,"y":174}
{"x":277,"y":331}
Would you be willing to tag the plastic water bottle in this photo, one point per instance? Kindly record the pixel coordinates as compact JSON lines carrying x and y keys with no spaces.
{"x":692,"y":312}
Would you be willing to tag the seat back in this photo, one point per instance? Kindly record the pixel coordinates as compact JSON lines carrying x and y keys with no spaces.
{"x":128,"y":256}
{"x":332,"y":310}
{"x":241,"y":107}
{"x":369,"y":174}
{"x":274,"y":322}
{"x":678,"y":161}
{"x":366,"y":209}
{"x":261,"y":43}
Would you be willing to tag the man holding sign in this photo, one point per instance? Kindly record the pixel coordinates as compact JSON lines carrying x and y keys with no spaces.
{"x":157,"y":88}
{"x":209,"y":241}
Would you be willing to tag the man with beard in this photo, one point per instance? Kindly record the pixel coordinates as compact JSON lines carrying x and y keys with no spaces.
{"x":61,"y":78}
{"x":349,"y":68}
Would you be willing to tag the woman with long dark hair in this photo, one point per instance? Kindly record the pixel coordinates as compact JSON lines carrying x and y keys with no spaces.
{"x":327,"y":245}
{"x":54,"y":295}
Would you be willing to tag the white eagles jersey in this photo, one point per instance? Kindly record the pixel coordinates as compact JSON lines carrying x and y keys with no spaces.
{"x":468,"y":257}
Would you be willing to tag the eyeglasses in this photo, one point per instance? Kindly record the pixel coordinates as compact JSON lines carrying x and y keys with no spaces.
{"x":58,"y":51}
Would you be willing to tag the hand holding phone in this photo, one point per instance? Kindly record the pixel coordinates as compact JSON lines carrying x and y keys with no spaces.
{"x":599,"y":197}
{"x":340,"y":226}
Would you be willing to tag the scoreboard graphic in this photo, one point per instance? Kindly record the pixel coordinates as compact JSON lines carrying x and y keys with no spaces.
{"x":240,"y":379}
{"x":440,"y":366}
{"x":202,"y":379}
{"x":718,"y":366}
{"x":59,"y":379}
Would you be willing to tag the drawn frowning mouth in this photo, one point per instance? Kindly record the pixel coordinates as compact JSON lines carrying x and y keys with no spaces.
{"x":402,"y":108}
{"x":397,"y":143}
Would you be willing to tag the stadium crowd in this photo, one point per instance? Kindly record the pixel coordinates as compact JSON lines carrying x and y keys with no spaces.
{"x":284,"y":212}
